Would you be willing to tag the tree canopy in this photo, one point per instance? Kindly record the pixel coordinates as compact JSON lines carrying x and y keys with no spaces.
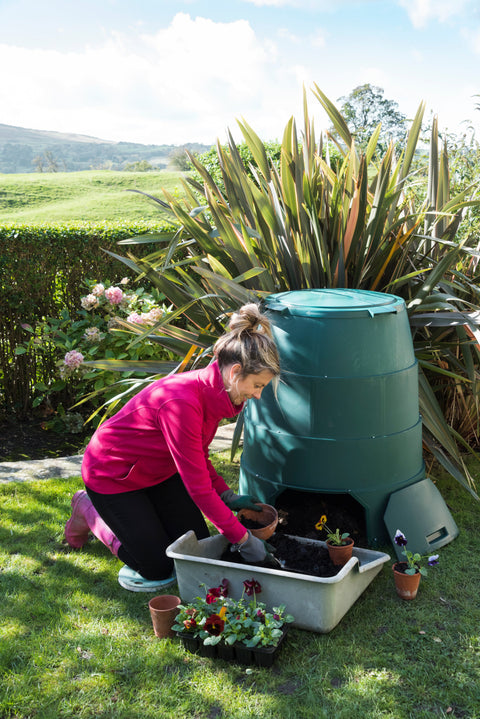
{"x":365,"y":107}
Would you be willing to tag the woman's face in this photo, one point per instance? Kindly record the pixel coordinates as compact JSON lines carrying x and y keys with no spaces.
{"x":248,"y":387}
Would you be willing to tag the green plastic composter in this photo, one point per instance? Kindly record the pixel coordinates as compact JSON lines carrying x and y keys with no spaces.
{"x":346,"y":417}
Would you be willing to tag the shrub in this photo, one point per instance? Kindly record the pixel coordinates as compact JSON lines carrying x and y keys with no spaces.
{"x":94,"y":332}
{"x":41,"y":272}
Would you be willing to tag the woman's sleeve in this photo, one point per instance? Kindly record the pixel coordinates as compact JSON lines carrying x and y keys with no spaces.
{"x":181,"y":424}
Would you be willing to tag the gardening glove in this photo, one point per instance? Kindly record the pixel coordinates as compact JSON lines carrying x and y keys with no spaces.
{"x":253,"y":550}
{"x":240,"y":501}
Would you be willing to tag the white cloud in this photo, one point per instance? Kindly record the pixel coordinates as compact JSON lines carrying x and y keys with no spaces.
{"x":421,"y":12}
{"x":186,"y":82}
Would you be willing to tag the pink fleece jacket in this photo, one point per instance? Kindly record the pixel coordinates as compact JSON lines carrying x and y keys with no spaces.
{"x":167,"y":428}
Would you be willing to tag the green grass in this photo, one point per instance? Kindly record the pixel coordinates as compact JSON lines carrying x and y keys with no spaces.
{"x":74,"y":644}
{"x":92,"y":196}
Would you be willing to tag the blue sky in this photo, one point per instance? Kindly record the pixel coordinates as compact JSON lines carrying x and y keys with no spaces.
{"x":165,"y":71}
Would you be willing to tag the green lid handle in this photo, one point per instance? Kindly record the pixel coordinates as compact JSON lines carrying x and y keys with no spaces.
{"x":278,"y":307}
{"x":386,"y":309}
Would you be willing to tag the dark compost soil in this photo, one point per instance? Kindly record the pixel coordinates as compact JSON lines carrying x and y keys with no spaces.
{"x":294,"y":556}
{"x":299,"y":512}
{"x":252,"y":523}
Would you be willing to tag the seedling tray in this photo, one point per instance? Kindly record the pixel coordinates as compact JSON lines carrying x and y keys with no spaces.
{"x":239,"y":653}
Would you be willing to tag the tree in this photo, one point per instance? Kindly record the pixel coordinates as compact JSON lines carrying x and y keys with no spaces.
{"x":364,"y":108}
{"x":46,"y":162}
{"x":179,"y":159}
{"x":39,"y":163}
{"x":139,"y":166}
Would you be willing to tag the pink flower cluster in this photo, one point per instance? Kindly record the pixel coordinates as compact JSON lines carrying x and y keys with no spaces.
{"x":89,"y":301}
{"x":135,"y":318}
{"x":73,"y":359}
{"x":145,"y":317}
{"x":114,"y":295}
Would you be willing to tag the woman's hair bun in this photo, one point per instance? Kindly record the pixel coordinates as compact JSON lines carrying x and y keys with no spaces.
{"x":249,"y":342}
{"x":249,"y":319}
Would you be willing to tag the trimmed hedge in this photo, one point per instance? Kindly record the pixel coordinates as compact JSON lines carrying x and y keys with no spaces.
{"x":41,"y":272}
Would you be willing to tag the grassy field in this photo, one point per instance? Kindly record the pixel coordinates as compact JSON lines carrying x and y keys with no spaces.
{"x":74,"y":644}
{"x":93,"y":196}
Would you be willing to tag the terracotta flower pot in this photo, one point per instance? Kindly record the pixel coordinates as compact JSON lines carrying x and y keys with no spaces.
{"x":340,"y":553}
{"x":406,"y":585}
{"x":268,"y":518}
{"x":163,"y":610}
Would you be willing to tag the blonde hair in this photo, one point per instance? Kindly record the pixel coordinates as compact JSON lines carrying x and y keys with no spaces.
{"x":249,"y":343}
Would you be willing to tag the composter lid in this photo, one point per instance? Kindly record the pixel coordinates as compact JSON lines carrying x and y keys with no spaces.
{"x":334,"y":303}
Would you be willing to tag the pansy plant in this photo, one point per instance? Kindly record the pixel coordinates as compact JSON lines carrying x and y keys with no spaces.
{"x":332,"y":537}
{"x":217,"y":617}
{"x":413,"y":560}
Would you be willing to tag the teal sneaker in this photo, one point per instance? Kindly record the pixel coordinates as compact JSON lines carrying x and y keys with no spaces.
{"x":129,"y":579}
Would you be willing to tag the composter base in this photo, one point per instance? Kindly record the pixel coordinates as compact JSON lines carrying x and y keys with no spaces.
{"x":317,"y":603}
{"x":420,"y":512}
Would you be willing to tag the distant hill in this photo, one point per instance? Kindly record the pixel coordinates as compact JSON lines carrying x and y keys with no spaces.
{"x":29,"y":150}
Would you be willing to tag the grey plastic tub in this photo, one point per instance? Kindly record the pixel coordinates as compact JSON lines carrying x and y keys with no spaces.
{"x":317,"y":603}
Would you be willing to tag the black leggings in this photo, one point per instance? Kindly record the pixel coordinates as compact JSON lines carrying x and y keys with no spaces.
{"x":147,"y":520}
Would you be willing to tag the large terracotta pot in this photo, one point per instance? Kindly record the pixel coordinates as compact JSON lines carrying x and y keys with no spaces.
{"x":340,"y":553}
{"x":406,"y":585}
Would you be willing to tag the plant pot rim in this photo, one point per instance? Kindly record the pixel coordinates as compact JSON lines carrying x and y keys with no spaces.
{"x":403,"y":564}
{"x":346,"y":543}
{"x":268,"y":514}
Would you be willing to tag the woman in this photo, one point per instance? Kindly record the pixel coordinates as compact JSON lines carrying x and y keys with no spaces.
{"x":146,"y":470}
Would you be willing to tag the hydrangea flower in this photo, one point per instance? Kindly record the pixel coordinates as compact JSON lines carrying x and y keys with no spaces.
{"x":114,"y":295}
{"x":155,"y":314}
{"x":135,"y":318}
{"x":92,"y":334}
{"x":89,"y":301}
{"x":98,"y":289}
{"x":73,"y":359}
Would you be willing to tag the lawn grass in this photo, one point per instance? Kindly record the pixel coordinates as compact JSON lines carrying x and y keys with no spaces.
{"x":75,"y":644}
{"x":91,"y":196}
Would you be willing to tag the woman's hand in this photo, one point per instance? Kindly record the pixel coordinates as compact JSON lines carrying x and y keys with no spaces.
{"x":252,"y":549}
{"x":240,"y":501}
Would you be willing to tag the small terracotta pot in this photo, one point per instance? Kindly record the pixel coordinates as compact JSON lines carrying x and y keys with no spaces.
{"x":268,"y":517}
{"x":406,"y":585}
{"x":340,"y":553}
{"x":163,"y":610}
